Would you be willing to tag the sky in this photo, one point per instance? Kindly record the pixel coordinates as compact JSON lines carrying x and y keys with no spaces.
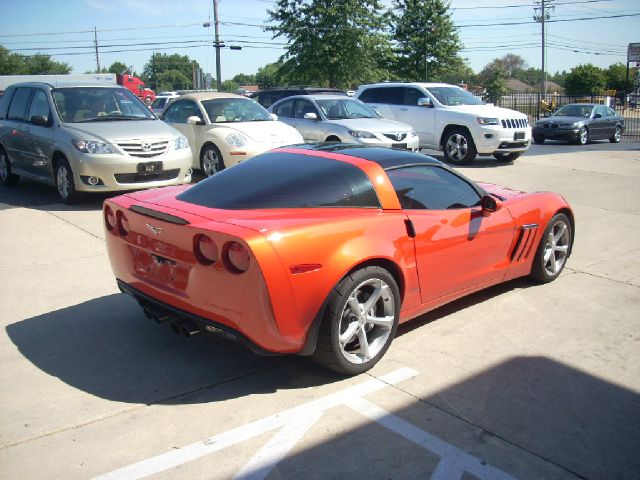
{"x":129,"y":31}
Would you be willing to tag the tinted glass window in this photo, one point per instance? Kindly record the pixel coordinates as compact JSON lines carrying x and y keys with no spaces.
{"x":39,"y":105}
{"x":18,"y":107}
{"x":98,"y":104}
{"x":370,"y":95}
{"x":392,"y":95}
{"x":5,"y":100}
{"x":285,"y":109}
{"x":181,"y":110}
{"x":226,"y":110}
{"x":602,"y":111}
{"x":305,"y":106}
{"x":432,"y":187}
{"x":411,"y":96}
{"x":285,"y":180}
{"x":611,"y":112}
{"x":345,"y":108}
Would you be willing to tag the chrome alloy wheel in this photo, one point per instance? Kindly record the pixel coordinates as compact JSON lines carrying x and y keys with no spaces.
{"x":584,"y":136}
{"x":556,"y":248}
{"x":366,"y":321}
{"x":210,"y":162}
{"x":457,"y":147}
{"x":62,"y":181}
{"x":617,"y":136}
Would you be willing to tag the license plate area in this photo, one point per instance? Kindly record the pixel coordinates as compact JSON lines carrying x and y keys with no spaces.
{"x":160,"y":270}
{"x":518,"y":136}
{"x":149,"y":168}
{"x":399,"y":146}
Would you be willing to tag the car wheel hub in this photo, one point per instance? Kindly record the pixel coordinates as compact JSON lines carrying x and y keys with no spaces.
{"x":556,"y":249}
{"x":457,"y":147}
{"x":210,"y":163}
{"x":63,"y":182}
{"x":367,"y":321}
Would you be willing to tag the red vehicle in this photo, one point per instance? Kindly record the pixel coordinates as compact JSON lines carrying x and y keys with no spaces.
{"x":322,"y":250}
{"x":137,"y":86}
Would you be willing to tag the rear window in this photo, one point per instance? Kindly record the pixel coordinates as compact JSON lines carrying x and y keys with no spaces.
{"x":285,"y":180}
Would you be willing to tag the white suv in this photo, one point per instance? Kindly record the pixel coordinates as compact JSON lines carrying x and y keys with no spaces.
{"x":451,"y":119}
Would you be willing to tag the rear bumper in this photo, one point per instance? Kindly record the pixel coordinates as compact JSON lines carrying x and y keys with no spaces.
{"x":206,"y":325}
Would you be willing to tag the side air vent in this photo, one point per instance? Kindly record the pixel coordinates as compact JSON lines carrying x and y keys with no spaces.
{"x":524,"y":243}
{"x":166,"y":217}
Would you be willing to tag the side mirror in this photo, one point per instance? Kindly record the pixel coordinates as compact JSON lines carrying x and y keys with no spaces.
{"x":274,"y":116}
{"x":425,"y":102}
{"x":40,"y":120}
{"x":195,"y":120}
{"x":310,"y":116}
{"x":490,"y":204}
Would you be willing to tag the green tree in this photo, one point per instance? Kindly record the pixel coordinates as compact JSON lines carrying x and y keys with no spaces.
{"x":455,"y":72}
{"x":10,"y":63}
{"x":616,"y":75}
{"x":423,"y":29}
{"x":117,"y":67}
{"x":38,"y":64}
{"x":229,"y":86}
{"x":331,"y":43}
{"x":585,"y":79}
{"x":496,"y":85}
{"x":173,"y":80}
{"x":270,"y":76}
{"x":160,"y":63}
{"x":244,"y":79}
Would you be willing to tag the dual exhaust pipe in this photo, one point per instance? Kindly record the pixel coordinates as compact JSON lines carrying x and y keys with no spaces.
{"x":188,"y":328}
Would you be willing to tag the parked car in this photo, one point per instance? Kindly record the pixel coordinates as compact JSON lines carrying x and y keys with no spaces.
{"x":331,"y":118}
{"x":580,"y":123}
{"x":161,"y":102}
{"x":451,"y":119}
{"x":87,"y":138}
{"x":268,"y":97}
{"x":331,"y":247}
{"x":225,"y":129}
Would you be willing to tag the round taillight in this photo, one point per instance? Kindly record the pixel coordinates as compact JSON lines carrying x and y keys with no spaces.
{"x":122,"y":224}
{"x":205,"y":249}
{"x":236,"y":257}
{"x":109,"y":218}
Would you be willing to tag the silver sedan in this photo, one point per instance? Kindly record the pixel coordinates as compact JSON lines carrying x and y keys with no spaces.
{"x":335,"y":118}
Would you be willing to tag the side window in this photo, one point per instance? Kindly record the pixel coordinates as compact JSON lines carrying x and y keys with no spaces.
{"x":611,"y":112}
{"x":39,"y":105}
{"x":602,"y":111}
{"x":180,"y":111}
{"x":285,"y":109}
{"x":431,"y":187}
{"x":411,"y":96}
{"x":18,"y":107}
{"x":392,"y":95}
{"x":304,"y":106}
{"x":370,"y":95}
{"x":5,"y":100}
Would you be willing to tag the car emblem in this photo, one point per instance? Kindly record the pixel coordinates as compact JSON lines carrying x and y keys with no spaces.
{"x":155,"y":230}
{"x":146,"y":146}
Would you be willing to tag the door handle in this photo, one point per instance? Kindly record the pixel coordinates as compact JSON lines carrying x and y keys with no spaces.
{"x":404,"y":109}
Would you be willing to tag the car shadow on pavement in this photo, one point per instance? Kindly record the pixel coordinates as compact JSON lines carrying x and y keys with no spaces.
{"x":529,"y":417}
{"x":107,"y":347}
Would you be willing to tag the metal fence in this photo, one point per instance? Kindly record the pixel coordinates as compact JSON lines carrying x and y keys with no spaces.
{"x":535,"y":105}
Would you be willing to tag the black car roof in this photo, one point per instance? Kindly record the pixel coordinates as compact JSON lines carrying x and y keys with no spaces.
{"x":385,"y":157}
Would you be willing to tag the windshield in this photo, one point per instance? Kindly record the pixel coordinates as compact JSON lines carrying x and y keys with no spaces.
{"x":574,"y":111}
{"x":226,"y":110}
{"x":452,"y":96}
{"x":347,"y":108}
{"x":93,"y":104}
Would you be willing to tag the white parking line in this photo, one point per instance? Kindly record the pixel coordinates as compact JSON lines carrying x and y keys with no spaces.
{"x":296,"y":422}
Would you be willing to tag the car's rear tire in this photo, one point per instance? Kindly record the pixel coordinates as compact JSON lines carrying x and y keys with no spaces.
{"x":65,"y":185}
{"x":458,"y":147}
{"x":6,"y":177}
{"x":617,"y":136}
{"x":211,"y":161}
{"x":359,"y":322}
{"x":553,"y":250}
{"x":538,"y":140}
{"x":506,"y":157}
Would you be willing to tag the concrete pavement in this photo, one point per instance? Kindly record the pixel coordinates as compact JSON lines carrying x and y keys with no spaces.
{"x":519,"y":381}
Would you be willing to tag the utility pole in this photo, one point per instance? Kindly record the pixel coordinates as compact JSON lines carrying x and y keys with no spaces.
{"x":95,"y":42}
{"x":216,"y":24}
{"x":541,"y":14}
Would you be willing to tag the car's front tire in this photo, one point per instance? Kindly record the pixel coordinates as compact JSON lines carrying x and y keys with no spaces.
{"x":583,"y":136}
{"x":458,"y":147}
{"x":65,"y":186}
{"x":359,"y":322}
{"x":6,"y":177}
{"x":538,"y":140}
{"x":617,"y":136}
{"x":211,"y":161}
{"x":553,"y":250}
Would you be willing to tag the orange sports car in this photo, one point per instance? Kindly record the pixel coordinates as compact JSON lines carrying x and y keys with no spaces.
{"x":321,"y":250}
